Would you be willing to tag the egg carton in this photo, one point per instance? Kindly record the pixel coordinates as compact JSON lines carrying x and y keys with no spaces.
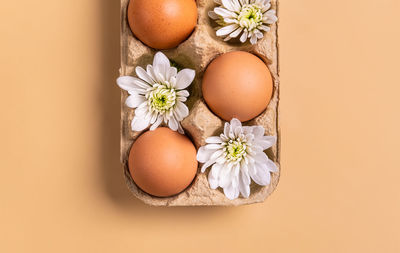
{"x":196,"y":53}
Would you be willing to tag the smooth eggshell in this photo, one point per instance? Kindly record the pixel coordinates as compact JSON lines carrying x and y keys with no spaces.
{"x":162,"y":162}
{"x":162,"y":24}
{"x":237,"y":84}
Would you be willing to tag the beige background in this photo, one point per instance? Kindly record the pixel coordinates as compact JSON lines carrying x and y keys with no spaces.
{"x":61,"y":186}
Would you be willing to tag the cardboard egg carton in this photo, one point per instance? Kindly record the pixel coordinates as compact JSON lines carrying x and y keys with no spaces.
{"x":196,"y":53}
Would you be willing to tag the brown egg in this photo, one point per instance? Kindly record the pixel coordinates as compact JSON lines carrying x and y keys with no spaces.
{"x":237,"y":85}
{"x":163,"y":162}
{"x":162,"y":24}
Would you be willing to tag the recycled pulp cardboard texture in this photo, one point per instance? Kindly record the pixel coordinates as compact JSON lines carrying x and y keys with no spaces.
{"x":196,"y":53}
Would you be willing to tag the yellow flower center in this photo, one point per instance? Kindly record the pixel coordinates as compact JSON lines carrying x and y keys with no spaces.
{"x":235,"y":150}
{"x":250,"y":16}
{"x":161,"y":99}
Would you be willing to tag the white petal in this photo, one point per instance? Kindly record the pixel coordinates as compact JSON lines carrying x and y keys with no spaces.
{"x":238,"y":131}
{"x":150,"y":72}
{"x":231,"y":192}
{"x":272,"y":166}
{"x":262,"y":176}
{"x":182,"y":99}
{"x":235,"y":174}
{"x":264,"y":27}
{"x":253,"y":39}
{"x":271,"y":17}
{"x":213,"y":146}
{"x":252,"y":169}
{"x":142,"y":109}
{"x":172,"y":71}
{"x":254,"y":149}
{"x":134,"y":100}
{"x":236,"y":192}
{"x":177,"y":116}
{"x":213,"y":181}
{"x":266,"y":141}
{"x":236,"y":33}
{"x":172,"y":81}
{"x":259,"y":34}
{"x":153,"y":117}
{"x":139,"y":91}
{"x":157,"y":123}
{"x":223,"y":137}
{"x":142,"y":74}
{"x":180,"y":129}
{"x":214,"y":139}
{"x":266,"y":7}
{"x":149,"y":116}
{"x":225,"y":177}
{"x":161,"y":60}
{"x":215,"y":170}
{"x":247,"y":129}
{"x":243,"y":38}
{"x":139,"y":123}
{"x":231,"y":21}
{"x":217,"y":154}
{"x":244,"y":187}
{"x":236,"y":126}
{"x":183,"y":93}
{"x":140,"y":83}
{"x":250,"y":137}
{"x":236,"y":5}
{"x":207,"y":164}
{"x":184,"y":78}
{"x":253,"y":174}
{"x":182,"y":109}
{"x":220,"y":160}
{"x":157,"y":76}
{"x":173,"y":124}
{"x":245,"y":174}
{"x":268,"y":178}
{"x":213,"y":176}
{"x":228,"y":5}
{"x":250,"y":159}
{"x":270,"y":22}
{"x":161,"y":64}
{"x":258,"y":131}
{"x":225,"y":13}
{"x":204,"y":154}
{"x":226,"y":129}
{"x":226,"y":30}
{"x":235,"y":182}
{"x":131,"y":83}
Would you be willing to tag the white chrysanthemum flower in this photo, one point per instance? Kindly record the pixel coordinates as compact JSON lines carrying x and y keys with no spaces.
{"x":246,"y":17}
{"x":237,"y":156}
{"x":158,"y":94}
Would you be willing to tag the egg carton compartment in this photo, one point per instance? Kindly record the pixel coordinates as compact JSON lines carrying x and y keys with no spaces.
{"x":196,"y":53}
